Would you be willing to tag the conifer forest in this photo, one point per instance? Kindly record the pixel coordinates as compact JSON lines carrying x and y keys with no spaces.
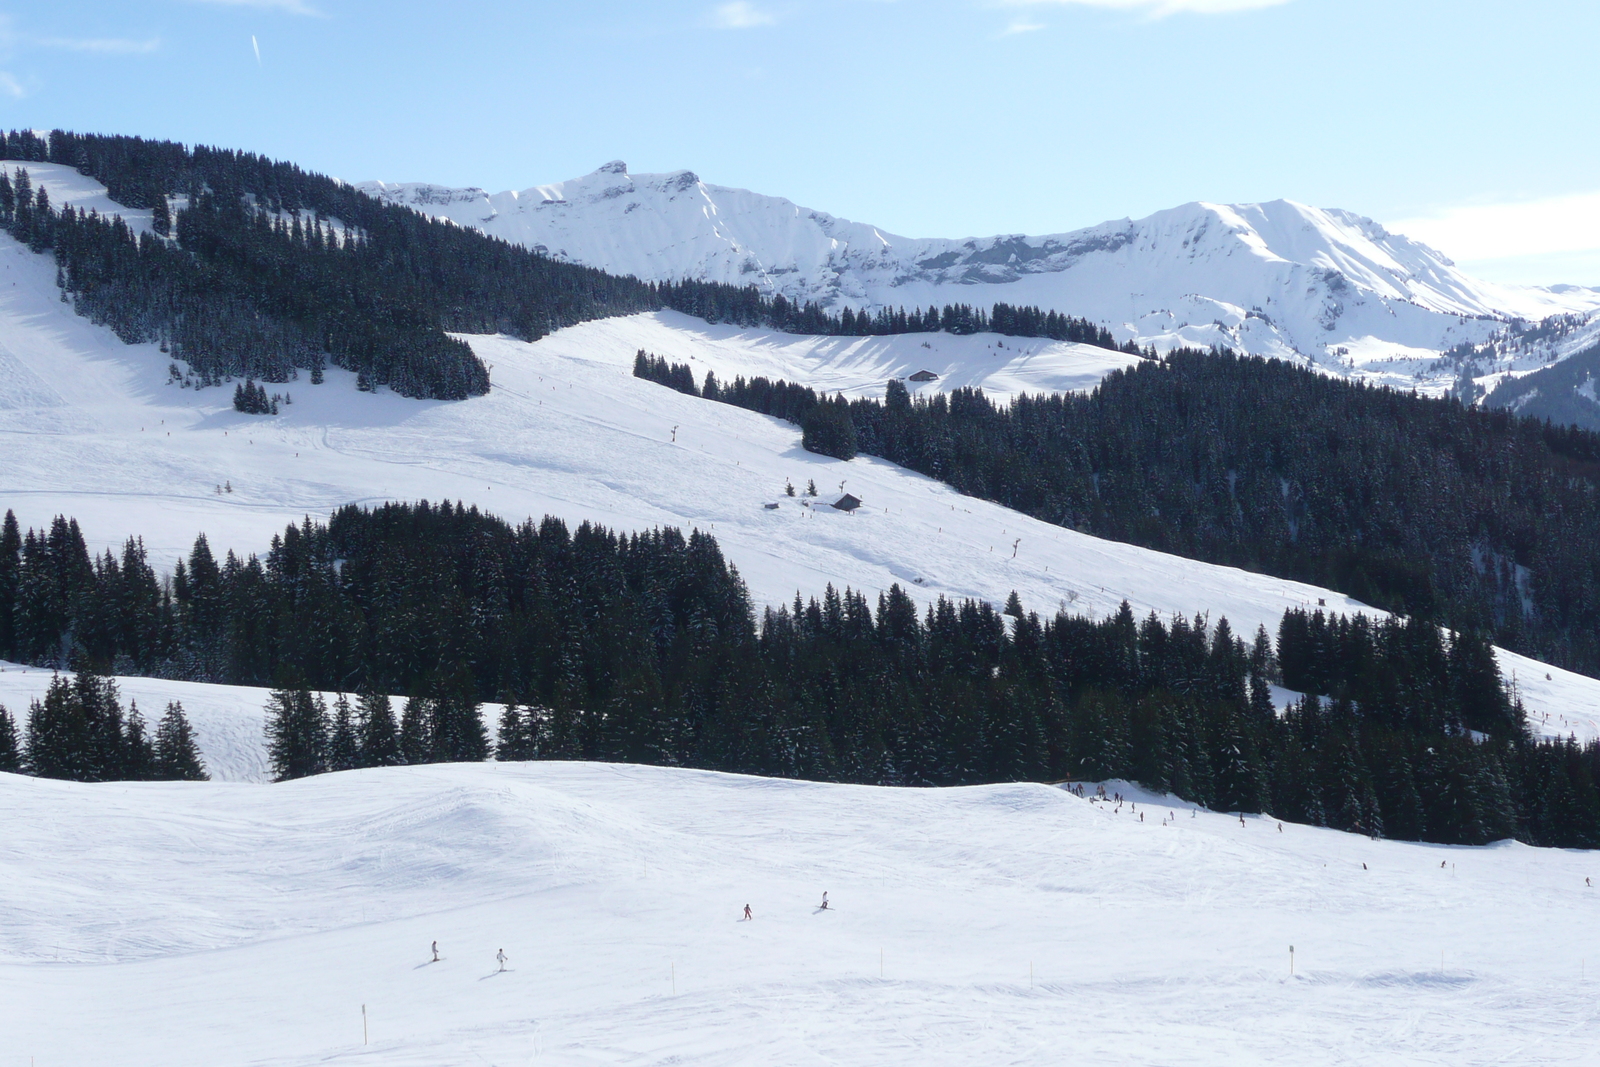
{"x":645,"y":648}
{"x":1479,"y":520}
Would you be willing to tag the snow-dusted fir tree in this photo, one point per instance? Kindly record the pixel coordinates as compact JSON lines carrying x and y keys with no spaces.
{"x":10,"y":750}
{"x":177,"y":758}
{"x":380,"y":736}
{"x":416,"y":731}
{"x":343,"y":748}
{"x":297,"y":734}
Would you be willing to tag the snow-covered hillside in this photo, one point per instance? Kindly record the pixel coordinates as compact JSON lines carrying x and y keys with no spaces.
{"x":197,"y":925}
{"x":1278,"y":278}
{"x":91,"y":428}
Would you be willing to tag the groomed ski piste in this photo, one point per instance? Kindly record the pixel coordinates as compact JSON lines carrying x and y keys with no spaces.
{"x":234,"y":922}
{"x":214,"y":924}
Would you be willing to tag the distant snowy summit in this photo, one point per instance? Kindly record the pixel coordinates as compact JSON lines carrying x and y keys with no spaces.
{"x":1279,"y":278}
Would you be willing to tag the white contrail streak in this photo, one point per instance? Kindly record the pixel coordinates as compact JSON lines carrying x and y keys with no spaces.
{"x":257,"y":47}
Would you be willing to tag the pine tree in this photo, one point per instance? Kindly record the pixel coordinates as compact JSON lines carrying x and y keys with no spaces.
{"x":380,"y":737}
{"x":139,"y":759}
{"x":517,"y":739}
{"x":160,"y":214}
{"x":416,"y":731}
{"x":10,"y":747}
{"x":344,"y":750}
{"x":177,"y":758}
{"x":10,"y":564}
{"x":58,"y":739}
{"x":458,"y":733}
{"x":297,"y":734}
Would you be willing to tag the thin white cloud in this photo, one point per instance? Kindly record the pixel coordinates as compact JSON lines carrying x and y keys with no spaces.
{"x":740,"y":15}
{"x":1556,"y":224}
{"x":291,"y":7}
{"x":1161,"y":8}
{"x":11,"y":87}
{"x":1021,"y":26}
{"x":116,"y":46}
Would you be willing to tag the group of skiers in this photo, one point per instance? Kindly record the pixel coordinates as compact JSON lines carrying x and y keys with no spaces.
{"x":500,"y":956}
{"x":749,"y":915}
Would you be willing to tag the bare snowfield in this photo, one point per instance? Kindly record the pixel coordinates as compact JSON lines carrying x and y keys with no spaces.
{"x":212,"y":924}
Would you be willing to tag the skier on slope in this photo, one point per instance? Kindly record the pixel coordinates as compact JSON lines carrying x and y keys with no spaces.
{"x":824,"y":901}
{"x":747,"y":915}
{"x":501,"y":956}
{"x":436,"y":952}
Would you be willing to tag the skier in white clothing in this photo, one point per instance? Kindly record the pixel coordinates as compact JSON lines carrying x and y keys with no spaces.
{"x":501,"y":956}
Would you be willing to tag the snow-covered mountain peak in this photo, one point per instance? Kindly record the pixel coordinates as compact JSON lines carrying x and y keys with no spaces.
{"x":1278,"y":278}
{"x":612,"y":181}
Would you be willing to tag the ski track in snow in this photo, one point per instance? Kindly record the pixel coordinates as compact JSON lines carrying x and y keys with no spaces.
{"x":221,"y":924}
{"x":89,"y":428}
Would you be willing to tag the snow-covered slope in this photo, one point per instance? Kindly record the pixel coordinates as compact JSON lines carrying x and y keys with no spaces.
{"x":66,"y":187}
{"x":1278,"y":278}
{"x":199,"y":925}
{"x":90,"y":428}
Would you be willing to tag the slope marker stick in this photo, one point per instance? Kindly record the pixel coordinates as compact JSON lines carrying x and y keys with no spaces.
{"x":674,"y":967}
{"x":363,"y":1024}
{"x":1291,"y":961}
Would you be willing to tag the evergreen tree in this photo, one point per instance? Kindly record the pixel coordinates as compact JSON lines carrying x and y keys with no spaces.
{"x":177,"y":757}
{"x":518,"y":734}
{"x":827,"y":429}
{"x":160,"y":214}
{"x":458,"y":734}
{"x":344,"y":750}
{"x":58,"y":735}
{"x":297,"y":733}
{"x":380,"y":736}
{"x":416,"y":731}
{"x":10,"y":565}
{"x":139,"y":757}
{"x":10,"y":746}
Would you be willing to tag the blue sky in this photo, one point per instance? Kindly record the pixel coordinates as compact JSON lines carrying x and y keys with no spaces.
{"x":1467,"y":123}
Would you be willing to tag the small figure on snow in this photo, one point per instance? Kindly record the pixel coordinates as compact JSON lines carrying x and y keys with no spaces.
{"x":824,"y":906}
{"x":435,"y":952}
{"x":747,"y":915}
{"x":501,"y":956}
{"x":1588,"y":883}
